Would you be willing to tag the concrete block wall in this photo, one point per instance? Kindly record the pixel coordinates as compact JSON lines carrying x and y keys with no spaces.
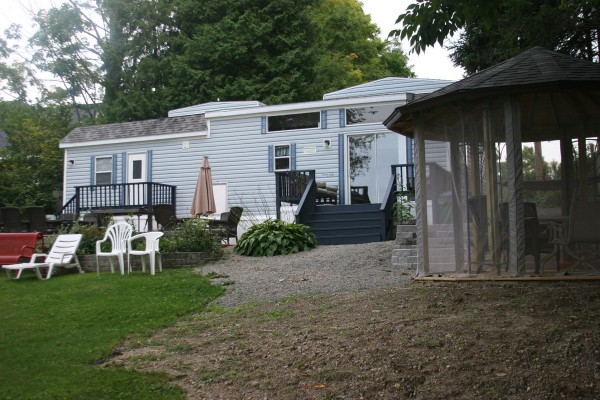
{"x":404,"y":254}
{"x":169,"y":260}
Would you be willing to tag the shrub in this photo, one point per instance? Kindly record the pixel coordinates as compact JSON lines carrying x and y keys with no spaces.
{"x":190,"y":236}
{"x":91,"y":234}
{"x":403,"y":208}
{"x":275,"y":237}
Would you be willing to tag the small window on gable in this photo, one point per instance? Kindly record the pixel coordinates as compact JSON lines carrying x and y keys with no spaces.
{"x":293,"y":121}
{"x":103,"y":170}
{"x":282,"y":157}
{"x":369,"y":114}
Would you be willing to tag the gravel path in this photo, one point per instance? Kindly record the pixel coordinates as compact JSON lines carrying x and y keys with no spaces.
{"x":326,"y":269}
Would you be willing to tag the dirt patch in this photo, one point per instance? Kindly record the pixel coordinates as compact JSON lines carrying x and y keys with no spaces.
{"x":423,"y":341}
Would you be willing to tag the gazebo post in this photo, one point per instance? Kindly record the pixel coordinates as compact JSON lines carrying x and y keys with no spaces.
{"x":474,"y":190}
{"x":457,"y":205}
{"x":489,"y":149}
{"x":514,"y":163}
{"x":566,"y":174}
{"x":421,"y":201}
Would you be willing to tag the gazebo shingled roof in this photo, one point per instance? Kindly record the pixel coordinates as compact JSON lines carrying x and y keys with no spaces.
{"x":535,"y":70}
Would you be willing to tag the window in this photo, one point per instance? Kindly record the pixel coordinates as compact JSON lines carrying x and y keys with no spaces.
{"x":282,"y":158}
{"x":369,"y":114}
{"x":104,"y":166}
{"x":137,"y":169}
{"x":294,"y":121}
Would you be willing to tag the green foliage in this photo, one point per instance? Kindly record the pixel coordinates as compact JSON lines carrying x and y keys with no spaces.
{"x":31,"y":165}
{"x":349,"y":49}
{"x":190,"y":236}
{"x":142,"y":56}
{"x":91,"y":234}
{"x":275,"y":237}
{"x":60,"y":329}
{"x":403,"y":208}
{"x":491,"y":32}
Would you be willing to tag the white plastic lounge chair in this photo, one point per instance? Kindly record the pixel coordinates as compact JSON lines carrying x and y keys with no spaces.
{"x":118,"y":234}
{"x":151,"y":249}
{"x":62,"y":254}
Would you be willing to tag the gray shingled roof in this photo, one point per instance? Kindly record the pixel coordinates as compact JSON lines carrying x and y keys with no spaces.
{"x":535,"y":67}
{"x":125,"y":130}
{"x":556,"y":92}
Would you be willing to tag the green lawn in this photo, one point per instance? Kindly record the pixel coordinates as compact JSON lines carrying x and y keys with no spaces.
{"x":53,"y":333}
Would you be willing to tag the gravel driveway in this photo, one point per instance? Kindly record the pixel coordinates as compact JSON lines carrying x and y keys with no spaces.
{"x":326,"y":269}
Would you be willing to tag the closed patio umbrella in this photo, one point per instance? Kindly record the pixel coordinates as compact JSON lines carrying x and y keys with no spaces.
{"x":204,"y":198}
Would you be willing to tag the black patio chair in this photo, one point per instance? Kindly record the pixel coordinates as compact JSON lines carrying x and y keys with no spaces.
{"x":12,"y":219}
{"x":226,"y":227}
{"x":582,"y":243}
{"x":164,"y":215}
{"x":37,"y":219}
{"x":538,"y":237}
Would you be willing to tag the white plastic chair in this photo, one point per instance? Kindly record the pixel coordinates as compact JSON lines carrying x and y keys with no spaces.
{"x":62,"y":254}
{"x":118,"y":234}
{"x":151,"y":249}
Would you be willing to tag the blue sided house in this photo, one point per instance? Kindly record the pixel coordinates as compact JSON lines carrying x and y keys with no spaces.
{"x":330,"y":164}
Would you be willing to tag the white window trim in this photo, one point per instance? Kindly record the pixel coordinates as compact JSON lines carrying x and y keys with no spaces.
{"x":289,"y":156}
{"x":96,"y":171}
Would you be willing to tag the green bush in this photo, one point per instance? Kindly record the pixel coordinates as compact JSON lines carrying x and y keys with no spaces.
{"x":403,"y":208}
{"x":275,"y":237}
{"x":91,"y":234}
{"x":190,"y":236}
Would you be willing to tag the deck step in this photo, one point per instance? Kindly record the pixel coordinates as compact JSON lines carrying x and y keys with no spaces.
{"x":348,"y":224}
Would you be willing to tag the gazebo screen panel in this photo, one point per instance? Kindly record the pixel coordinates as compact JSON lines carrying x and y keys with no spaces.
{"x":464,"y":175}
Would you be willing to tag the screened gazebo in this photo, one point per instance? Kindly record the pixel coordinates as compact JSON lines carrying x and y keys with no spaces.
{"x":479,"y":211}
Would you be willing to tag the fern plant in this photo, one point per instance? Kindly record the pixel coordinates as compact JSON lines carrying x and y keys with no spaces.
{"x":275,"y":237}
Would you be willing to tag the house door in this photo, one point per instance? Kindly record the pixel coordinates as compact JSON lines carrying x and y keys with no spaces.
{"x":368,"y":166}
{"x":136,"y":178}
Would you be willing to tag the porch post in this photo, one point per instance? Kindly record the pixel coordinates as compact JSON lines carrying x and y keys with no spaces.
{"x":514,"y":163}
{"x":421,"y":200}
{"x":457,"y":168}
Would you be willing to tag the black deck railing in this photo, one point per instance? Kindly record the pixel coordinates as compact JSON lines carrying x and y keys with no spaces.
{"x":402,"y":182}
{"x":290,"y":186}
{"x":299,"y":187}
{"x":405,"y":178}
{"x":118,"y":198}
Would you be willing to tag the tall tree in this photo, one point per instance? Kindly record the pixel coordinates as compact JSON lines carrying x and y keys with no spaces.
{"x":69,"y":45}
{"x":148,"y":56}
{"x":15,"y":75}
{"x":350,"y":51}
{"x":244,"y":49}
{"x":31,"y":165}
{"x":490,"y":32}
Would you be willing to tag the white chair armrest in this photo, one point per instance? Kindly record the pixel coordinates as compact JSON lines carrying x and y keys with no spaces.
{"x":62,"y":259}
{"x":131,"y":239}
{"x":35,"y":256}
{"x":98,"y":244}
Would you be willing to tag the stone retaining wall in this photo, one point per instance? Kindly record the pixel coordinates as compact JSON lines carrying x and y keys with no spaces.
{"x":169,"y":260}
{"x":404,"y":254}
